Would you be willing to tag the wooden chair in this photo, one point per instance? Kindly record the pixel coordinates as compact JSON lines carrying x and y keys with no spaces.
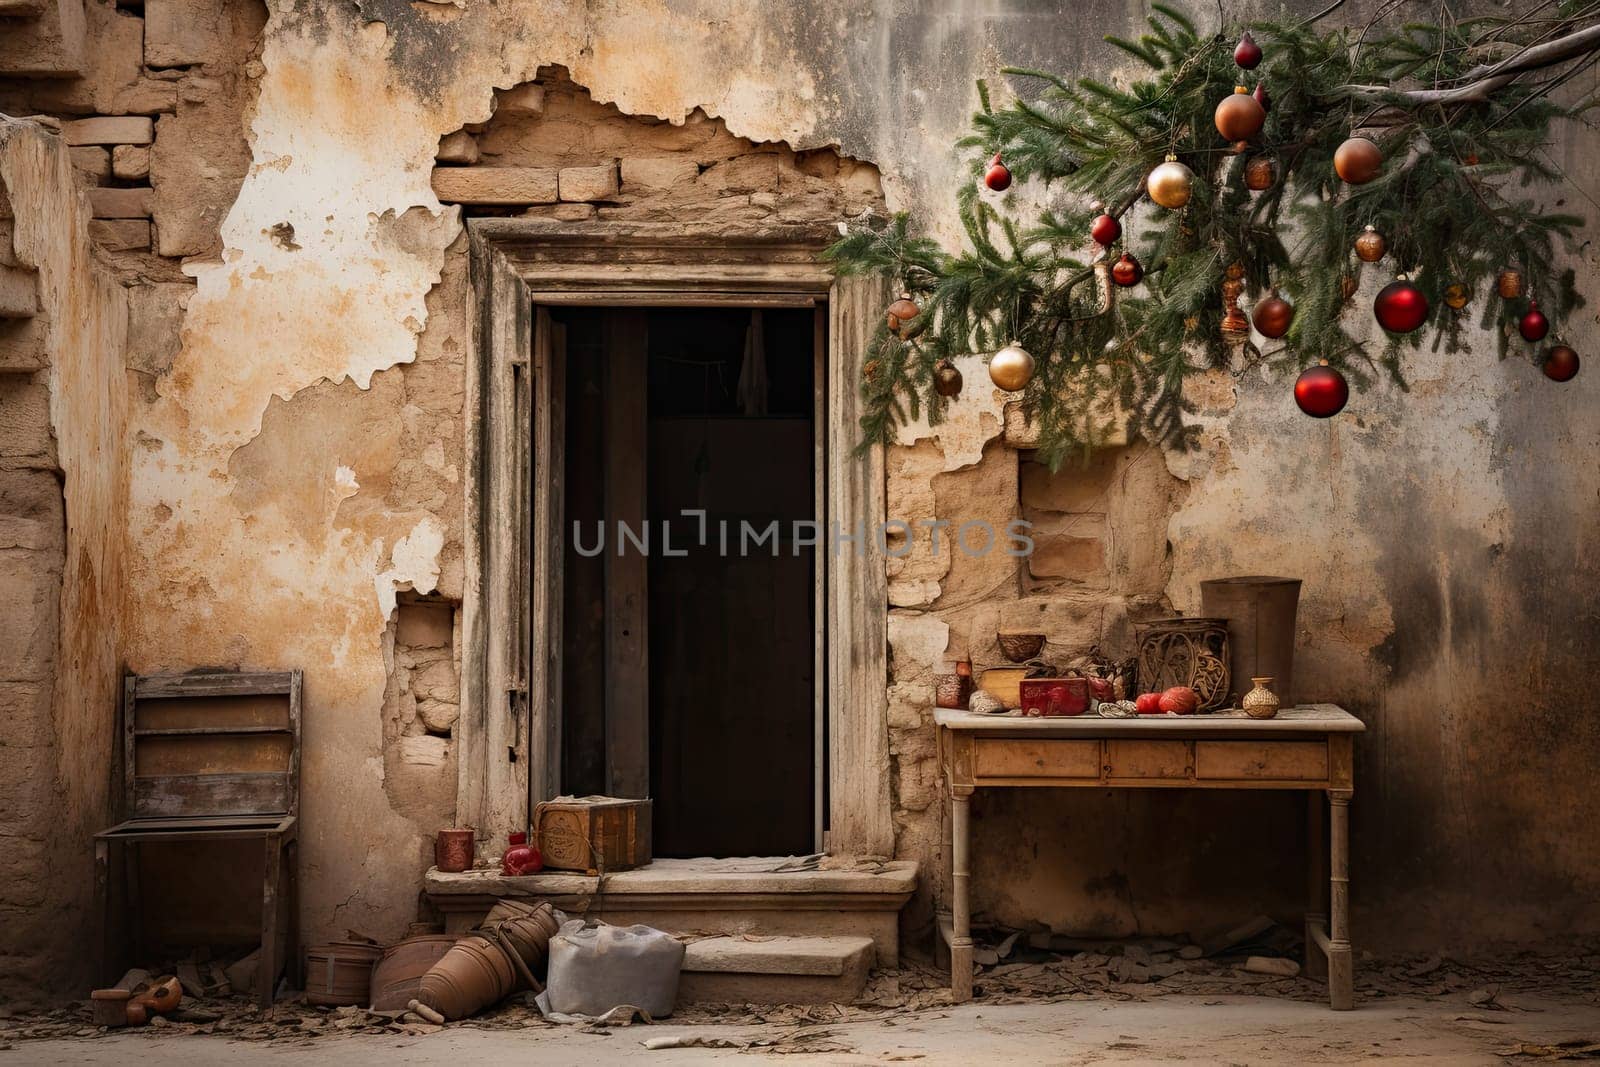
{"x":210,"y":757}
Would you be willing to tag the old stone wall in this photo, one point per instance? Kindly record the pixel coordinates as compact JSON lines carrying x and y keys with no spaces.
{"x":282,"y":189}
{"x":63,"y":502}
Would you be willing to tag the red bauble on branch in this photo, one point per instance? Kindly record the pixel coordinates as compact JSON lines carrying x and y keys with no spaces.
{"x":1247,"y":53}
{"x":998,"y":177}
{"x":1273,"y":315}
{"x":1127,"y":271}
{"x":1533,"y":325}
{"x":1561,"y":364}
{"x":1105,"y":230}
{"x":1263,"y":97}
{"x":1321,"y":391}
{"x":1400,"y":307}
{"x":1358,"y":161}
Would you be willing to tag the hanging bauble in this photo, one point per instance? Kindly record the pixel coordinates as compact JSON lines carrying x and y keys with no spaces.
{"x":1235,"y":327}
{"x":1273,"y":315}
{"x":1509,"y":283}
{"x":1247,"y":53}
{"x":1400,"y":307}
{"x":901,"y":312}
{"x":1127,"y":271}
{"x":1533,"y":325}
{"x":1561,"y":364}
{"x":946,"y":379}
{"x":1171,"y":184}
{"x":1011,"y":368}
{"x":1348,"y":286}
{"x":1370,"y":245}
{"x":998,"y":176}
{"x":1321,"y":391}
{"x":1105,"y":230}
{"x":1263,"y":97}
{"x":1259,"y":173}
{"x":1456,"y":296}
{"x":1357,"y":161}
{"x":1239,"y":117}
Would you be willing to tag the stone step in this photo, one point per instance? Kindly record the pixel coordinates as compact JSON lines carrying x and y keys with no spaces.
{"x":764,"y":897}
{"x":775,"y":970}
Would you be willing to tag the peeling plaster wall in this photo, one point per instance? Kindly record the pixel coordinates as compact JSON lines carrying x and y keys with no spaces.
{"x":63,"y":504}
{"x":297,"y":458}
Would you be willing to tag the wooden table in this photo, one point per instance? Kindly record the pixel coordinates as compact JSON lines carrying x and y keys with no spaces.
{"x":1306,"y":748}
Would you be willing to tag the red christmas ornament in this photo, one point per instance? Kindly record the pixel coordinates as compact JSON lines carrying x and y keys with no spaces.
{"x":1533,"y":325}
{"x":1127,"y":271}
{"x":1561,"y":364}
{"x":998,"y":177}
{"x":1263,"y":97}
{"x":1105,"y":230}
{"x":1273,"y":315}
{"x":1400,"y":307}
{"x":1247,"y":53}
{"x":1321,"y":391}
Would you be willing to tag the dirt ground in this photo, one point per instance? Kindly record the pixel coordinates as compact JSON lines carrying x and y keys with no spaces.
{"x":1227,"y":1029}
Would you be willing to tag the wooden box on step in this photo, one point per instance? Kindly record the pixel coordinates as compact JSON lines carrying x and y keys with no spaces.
{"x":593,"y":834}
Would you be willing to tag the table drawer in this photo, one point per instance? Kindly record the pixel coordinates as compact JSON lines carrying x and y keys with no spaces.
{"x":1160,"y":760}
{"x":1018,"y":758}
{"x":1276,"y":761}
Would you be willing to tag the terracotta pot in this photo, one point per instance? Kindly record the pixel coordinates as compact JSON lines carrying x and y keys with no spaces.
{"x":474,"y":974}
{"x":452,"y":851}
{"x":340,"y":973}
{"x":525,"y":929}
{"x":1019,"y":646}
{"x":1261,"y":702}
{"x":397,"y":976}
{"x":110,"y":1007}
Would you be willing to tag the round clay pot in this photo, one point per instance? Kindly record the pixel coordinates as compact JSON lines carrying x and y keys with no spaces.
{"x":472,"y":975}
{"x":397,"y":976}
{"x":1019,"y":646}
{"x":340,"y":973}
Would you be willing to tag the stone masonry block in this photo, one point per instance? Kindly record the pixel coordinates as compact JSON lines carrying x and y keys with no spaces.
{"x":25,"y":421}
{"x":19,"y":293}
{"x":48,"y":45}
{"x":130,"y":162}
{"x":120,"y":235}
{"x":22,"y":344}
{"x":155,"y":323}
{"x":121,"y":203}
{"x":91,"y":160}
{"x":658,"y":172}
{"x":523,"y":100}
{"x":457,"y":147}
{"x":105,"y":129}
{"x":581,"y":184}
{"x":182,"y":33}
{"x":495,"y":185}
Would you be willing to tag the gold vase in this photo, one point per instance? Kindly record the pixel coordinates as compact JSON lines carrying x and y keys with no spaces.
{"x":1261,"y":702}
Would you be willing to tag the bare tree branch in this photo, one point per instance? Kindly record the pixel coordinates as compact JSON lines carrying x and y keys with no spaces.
{"x":1478,"y":84}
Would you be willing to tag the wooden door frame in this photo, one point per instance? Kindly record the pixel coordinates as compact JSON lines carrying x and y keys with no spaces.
{"x":519,"y":263}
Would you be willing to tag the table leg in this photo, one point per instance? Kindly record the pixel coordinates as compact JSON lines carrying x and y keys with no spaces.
{"x":1316,"y":886}
{"x":961,"y":904}
{"x":1341,"y":967}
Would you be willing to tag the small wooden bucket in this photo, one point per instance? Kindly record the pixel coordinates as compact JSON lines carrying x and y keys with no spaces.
{"x":340,"y":973}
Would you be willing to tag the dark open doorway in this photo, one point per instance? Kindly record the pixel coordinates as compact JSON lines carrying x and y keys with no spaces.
{"x":689,"y":669}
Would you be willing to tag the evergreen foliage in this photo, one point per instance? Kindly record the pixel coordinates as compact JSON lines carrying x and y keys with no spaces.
{"x":1451,"y":201}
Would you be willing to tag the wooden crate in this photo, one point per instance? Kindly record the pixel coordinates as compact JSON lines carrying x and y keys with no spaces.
{"x":593,"y":834}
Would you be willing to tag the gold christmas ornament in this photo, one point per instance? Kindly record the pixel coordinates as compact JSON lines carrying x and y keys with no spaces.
{"x":1171,"y":184}
{"x":1011,"y":368}
{"x":1509,"y":283}
{"x":1455,"y":296}
{"x":1239,"y":117}
{"x":1370,"y":245}
{"x":1259,"y":174}
{"x":1358,"y":160}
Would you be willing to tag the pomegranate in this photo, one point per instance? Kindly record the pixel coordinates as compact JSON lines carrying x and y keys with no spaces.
{"x":1179,"y":700}
{"x":1148,"y":703}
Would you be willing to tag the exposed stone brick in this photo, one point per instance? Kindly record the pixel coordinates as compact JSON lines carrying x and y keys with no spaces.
{"x":742,"y":174}
{"x":199,"y":161}
{"x":180,"y":33}
{"x":120,"y":235}
{"x":91,"y":160}
{"x":22,"y":344}
{"x":458,"y":147}
{"x":107,"y":129}
{"x":121,"y":203}
{"x":155,"y":320}
{"x":657,"y":172}
{"x":48,"y":45}
{"x":523,"y":100}
{"x":495,"y":185}
{"x":25,"y":426}
{"x":130,"y":162}
{"x":19,"y":292}
{"x":589,"y":183}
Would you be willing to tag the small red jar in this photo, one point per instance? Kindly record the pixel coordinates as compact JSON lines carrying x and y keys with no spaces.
{"x":520,"y":858}
{"x":1050,"y":697}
